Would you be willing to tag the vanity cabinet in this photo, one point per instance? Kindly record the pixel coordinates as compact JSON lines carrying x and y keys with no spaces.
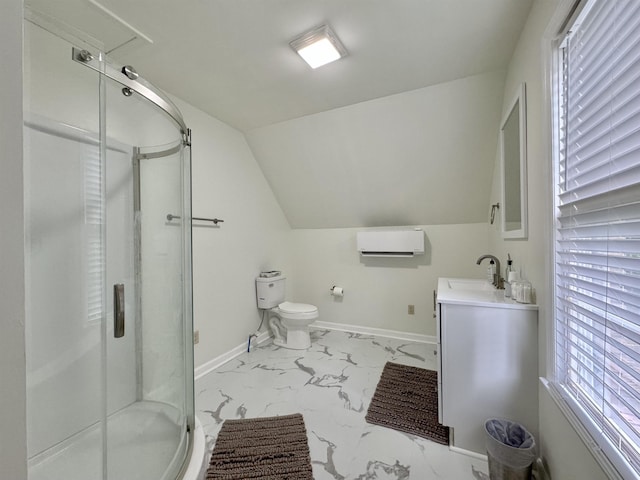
{"x":487,"y":361}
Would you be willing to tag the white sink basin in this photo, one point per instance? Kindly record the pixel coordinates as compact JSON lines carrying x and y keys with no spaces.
{"x":471,"y":291}
{"x":470,"y":284}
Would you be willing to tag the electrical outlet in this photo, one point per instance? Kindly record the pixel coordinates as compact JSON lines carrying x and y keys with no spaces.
{"x":196,"y":337}
{"x":411,"y":310}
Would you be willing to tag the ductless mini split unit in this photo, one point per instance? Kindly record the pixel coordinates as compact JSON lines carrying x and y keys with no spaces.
{"x":391,"y":243}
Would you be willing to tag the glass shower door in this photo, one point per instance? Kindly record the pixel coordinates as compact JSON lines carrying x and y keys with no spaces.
{"x":63,"y":329}
{"x":147,"y":308}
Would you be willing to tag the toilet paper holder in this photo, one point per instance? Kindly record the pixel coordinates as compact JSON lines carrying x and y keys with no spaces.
{"x":337,"y":291}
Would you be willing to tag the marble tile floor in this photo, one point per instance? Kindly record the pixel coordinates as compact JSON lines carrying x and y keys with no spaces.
{"x":331,"y":384}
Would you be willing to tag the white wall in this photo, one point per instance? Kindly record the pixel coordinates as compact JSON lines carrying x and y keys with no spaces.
{"x":566,"y":455}
{"x":422,"y":157}
{"x":13,"y":445}
{"x":378,"y":290}
{"x":563,"y":452}
{"x":255,"y":235}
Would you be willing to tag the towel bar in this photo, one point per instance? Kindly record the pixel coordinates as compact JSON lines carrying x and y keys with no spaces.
{"x":214,"y":220}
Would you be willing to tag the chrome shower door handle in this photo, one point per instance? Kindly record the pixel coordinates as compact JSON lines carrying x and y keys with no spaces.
{"x":118,"y":310}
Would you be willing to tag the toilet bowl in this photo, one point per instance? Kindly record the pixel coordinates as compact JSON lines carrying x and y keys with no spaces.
{"x":289,"y":322}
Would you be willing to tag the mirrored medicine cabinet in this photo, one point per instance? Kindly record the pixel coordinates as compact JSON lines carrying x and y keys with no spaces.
{"x":513,"y":167}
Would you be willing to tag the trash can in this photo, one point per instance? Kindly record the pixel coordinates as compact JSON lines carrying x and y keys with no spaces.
{"x":510,"y":449}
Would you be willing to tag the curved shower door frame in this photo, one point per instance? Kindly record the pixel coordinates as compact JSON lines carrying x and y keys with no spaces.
{"x":137,"y":84}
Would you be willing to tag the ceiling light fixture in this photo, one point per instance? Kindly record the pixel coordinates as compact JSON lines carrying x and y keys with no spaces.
{"x":319,"y":46}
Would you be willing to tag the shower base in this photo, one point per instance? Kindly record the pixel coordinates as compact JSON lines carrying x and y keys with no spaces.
{"x":141,"y":439}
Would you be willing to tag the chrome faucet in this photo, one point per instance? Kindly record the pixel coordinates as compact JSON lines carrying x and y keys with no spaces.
{"x":498,"y":281}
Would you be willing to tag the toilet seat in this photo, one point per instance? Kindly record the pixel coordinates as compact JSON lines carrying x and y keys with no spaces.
{"x":297,"y":311}
{"x":290,"y":307}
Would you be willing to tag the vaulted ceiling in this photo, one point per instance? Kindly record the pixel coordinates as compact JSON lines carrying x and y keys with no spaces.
{"x":402,"y":131}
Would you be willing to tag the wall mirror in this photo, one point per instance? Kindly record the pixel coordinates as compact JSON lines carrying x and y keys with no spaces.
{"x":513,"y":163}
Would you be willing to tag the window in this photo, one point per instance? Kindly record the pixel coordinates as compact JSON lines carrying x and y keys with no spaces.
{"x":597,"y":239}
{"x":93,"y":222}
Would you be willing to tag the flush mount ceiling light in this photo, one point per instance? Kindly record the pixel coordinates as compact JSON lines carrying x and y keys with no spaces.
{"x":319,"y":46}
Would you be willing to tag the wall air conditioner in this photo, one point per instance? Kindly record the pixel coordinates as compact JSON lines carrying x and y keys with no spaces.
{"x":391,"y":243}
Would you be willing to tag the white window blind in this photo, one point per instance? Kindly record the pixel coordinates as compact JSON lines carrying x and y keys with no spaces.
{"x":597,"y":242}
{"x":93,"y":220}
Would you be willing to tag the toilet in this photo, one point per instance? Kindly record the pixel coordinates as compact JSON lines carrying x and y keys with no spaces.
{"x":289,"y":322}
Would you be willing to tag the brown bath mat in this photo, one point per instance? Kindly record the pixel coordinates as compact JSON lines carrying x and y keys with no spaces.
{"x":270,"y":448}
{"x":406,"y":399}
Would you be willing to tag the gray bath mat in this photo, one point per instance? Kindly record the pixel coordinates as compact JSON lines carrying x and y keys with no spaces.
{"x":270,"y":448}
{"x":406,"y":399}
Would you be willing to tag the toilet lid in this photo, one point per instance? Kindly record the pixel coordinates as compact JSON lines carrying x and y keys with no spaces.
{"x":288,"y":307}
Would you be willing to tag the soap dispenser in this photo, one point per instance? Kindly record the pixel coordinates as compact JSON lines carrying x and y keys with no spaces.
{"x":507,"y":277}
{"x":491,"y":270}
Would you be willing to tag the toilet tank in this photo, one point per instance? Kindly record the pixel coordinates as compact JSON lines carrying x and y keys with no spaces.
{"x":270,"y":291}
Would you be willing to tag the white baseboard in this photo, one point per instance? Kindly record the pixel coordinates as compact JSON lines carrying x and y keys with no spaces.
{"x":468,"y":453}
{"x":378,"y":332}
{"x":214,"y":363}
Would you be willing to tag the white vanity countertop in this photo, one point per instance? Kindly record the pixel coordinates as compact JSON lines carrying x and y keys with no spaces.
{"x":469,"y":291}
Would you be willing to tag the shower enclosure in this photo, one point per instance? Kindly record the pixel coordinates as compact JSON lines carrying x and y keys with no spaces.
{"x":109,"y":321}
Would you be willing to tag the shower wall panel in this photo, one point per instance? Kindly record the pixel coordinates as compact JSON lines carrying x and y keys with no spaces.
{"x":63,"y":273}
